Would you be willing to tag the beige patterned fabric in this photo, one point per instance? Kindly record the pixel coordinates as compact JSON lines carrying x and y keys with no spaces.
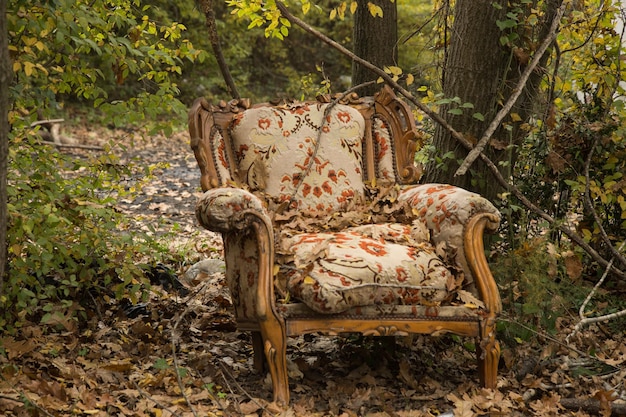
{"x":385,"y":164}
{"x":278,"y":153}
{"x":333,"y":272}
{"x":415,"y":262}
{"x":218,"y":146}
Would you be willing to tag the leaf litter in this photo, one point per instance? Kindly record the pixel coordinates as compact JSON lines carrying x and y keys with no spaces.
{"x":180,"y":354}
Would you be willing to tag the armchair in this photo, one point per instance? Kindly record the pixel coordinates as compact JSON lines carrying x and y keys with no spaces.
{"x":325,"y":230}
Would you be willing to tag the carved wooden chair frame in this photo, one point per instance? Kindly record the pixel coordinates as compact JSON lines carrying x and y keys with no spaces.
{"x":269,"y":328}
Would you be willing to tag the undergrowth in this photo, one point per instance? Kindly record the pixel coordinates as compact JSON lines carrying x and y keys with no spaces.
{"x":67,"y":244}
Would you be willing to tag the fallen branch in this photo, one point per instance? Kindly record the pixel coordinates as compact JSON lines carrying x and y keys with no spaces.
{"x":50,"y":132}
{"x":46,"y":122}
{"x":176,"y":369}
{"x":459,"y":137}
{"x":594,"y":406}
{"x":225,"y":372}
{"x":78,"y":146}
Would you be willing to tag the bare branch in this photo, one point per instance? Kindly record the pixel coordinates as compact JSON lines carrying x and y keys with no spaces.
{"x":382,"y":74}
{"x":209,"y":14}
{"x":581,"y":312}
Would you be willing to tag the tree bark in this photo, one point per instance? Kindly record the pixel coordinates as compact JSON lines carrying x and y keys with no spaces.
{"x":6,"y":73}
{"x":481,"y":71}
{"x":375,"y":40}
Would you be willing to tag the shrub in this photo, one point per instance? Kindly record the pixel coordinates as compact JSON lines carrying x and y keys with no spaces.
{"x":67,"y":244}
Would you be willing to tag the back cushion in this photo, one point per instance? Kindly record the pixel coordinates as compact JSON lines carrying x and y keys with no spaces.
{"x":275,"y":150}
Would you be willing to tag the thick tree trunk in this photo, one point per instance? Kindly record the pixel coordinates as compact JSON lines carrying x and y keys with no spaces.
{"x":375,"y":40}
{"x":481,"y":71}
{"x":474,"y":71}
{"x":5,"y":79}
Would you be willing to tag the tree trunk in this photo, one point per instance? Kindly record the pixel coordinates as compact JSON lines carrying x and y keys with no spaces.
{"x":375,"y":40}
{"x":481,"y":71}
{"x":6,"y":73}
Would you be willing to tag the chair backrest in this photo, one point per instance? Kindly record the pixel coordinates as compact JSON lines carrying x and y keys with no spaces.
{"x":313,"y":156}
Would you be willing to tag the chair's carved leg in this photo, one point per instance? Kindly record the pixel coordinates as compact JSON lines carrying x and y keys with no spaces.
{"x":488,"y":355}
{"x":275,"y":347}
{"x":258,"y":358}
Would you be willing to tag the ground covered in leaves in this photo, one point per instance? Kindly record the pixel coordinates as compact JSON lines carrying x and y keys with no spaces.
{"x":180,"y":353}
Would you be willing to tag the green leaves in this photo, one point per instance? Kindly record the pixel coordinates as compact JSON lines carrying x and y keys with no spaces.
{"x":94,"y":50}
{"x":64,"y":238}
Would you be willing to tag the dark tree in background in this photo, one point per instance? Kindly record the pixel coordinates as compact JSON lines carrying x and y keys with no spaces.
{"x":5,"y":79}
{"x":481,"y":70}
{"x":375,"y":40}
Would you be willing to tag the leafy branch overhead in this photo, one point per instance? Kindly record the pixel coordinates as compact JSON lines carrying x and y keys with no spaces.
{"x":267,"y":15}
{"x":54,"y":53}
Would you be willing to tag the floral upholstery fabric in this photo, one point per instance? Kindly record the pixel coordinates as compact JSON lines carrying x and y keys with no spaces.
{"x":333,"y":272}
{"x":418,"y":268}
{"x":221,"y":209}
{"x":385,"y":164}
{"x":278,"y":153}
{"x":218,"y":152}
{"x":446,"y":210}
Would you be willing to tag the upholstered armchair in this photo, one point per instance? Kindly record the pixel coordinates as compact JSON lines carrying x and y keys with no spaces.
{"x":326,"y":230}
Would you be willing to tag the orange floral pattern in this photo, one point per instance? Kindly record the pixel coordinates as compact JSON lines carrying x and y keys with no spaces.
{"x":280,"y":144}
{"x":414,"y":268}
{"x":385,"y":164}
{"x":333,"y":272}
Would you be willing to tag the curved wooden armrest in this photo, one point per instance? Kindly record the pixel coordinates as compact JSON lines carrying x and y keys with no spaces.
{"x":477,"y":261}
{"x":226,"y":209}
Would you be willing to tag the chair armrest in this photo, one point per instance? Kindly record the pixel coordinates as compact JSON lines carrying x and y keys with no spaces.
{"x":446,"y":209}
{"x":248,"y":249}
{"x":459,"y":218}
{"x":228,"y":209}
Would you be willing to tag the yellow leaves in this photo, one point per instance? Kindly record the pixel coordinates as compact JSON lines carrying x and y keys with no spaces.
{"x":396,"y":73}
{"x":30,"y":43}
{"x":375,"y":10}
{"x":29,"y":68}
{"x":340,"y":11}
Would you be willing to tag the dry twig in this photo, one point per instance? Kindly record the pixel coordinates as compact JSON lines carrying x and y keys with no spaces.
{"x":158,"y":404}
{"x":581,"y":312}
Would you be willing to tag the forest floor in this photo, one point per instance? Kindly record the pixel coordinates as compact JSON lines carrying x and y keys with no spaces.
{"x":180,"y":354}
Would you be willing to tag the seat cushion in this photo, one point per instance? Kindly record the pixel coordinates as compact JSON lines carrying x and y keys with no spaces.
{"x":281,"y":152}
{"x":366,"y":265}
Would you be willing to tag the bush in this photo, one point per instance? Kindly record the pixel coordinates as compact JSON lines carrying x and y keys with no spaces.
{"x":66,"y":242}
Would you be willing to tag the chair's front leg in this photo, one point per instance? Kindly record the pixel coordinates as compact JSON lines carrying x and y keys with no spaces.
{"x":488,"y":354}
{"x":275,"y":347}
